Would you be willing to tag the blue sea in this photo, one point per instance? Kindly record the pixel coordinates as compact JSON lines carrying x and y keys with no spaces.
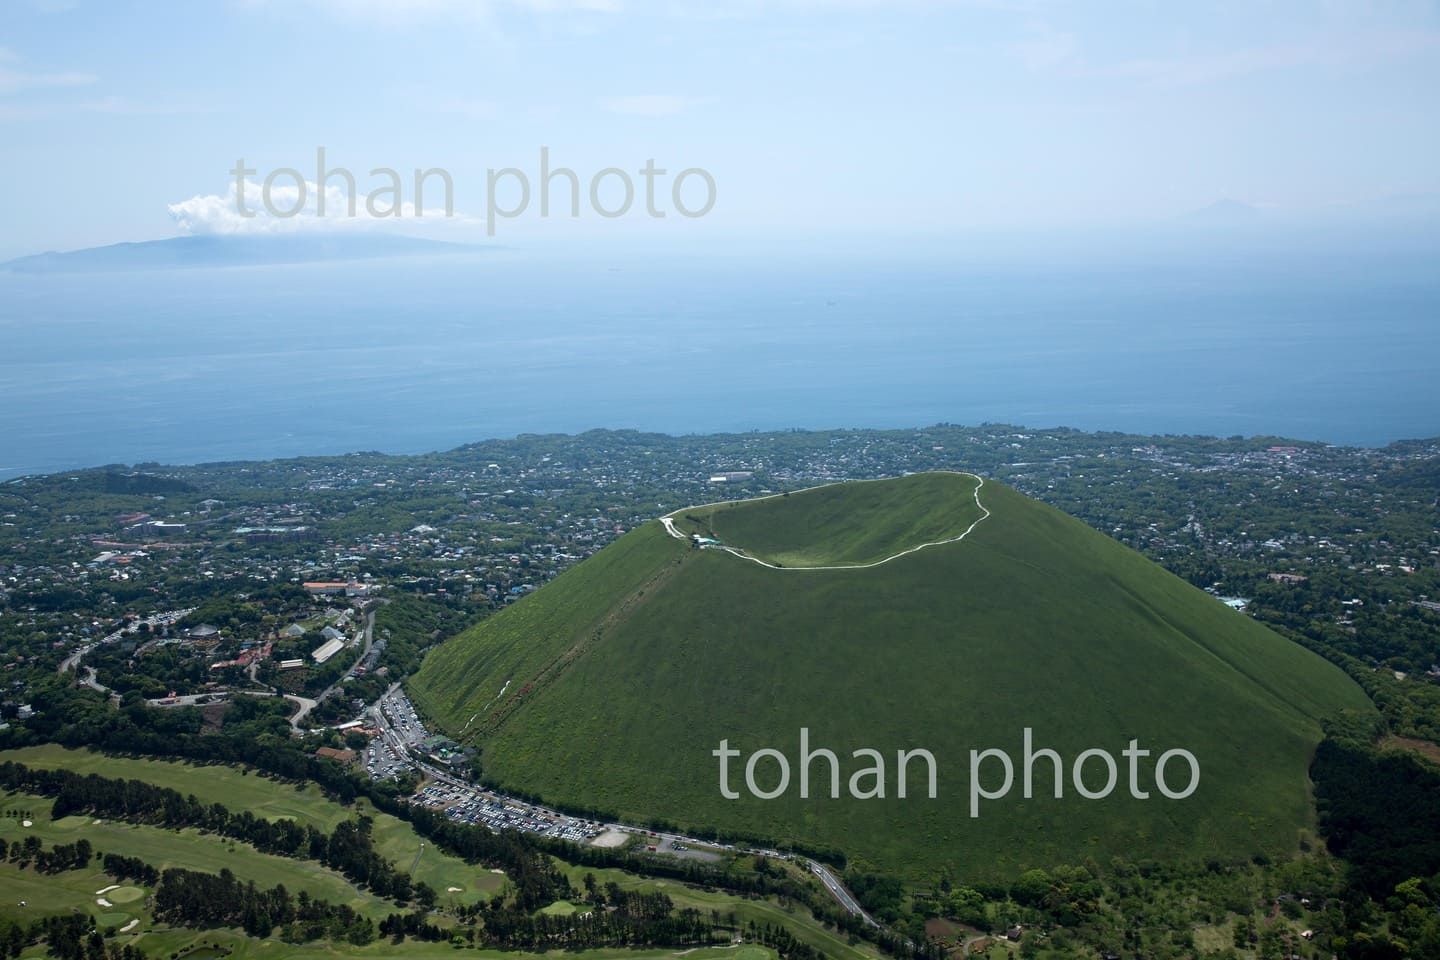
{"x":412,"y":355}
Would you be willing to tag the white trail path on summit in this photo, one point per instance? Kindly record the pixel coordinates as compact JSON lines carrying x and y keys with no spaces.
{"x":668,"y":522}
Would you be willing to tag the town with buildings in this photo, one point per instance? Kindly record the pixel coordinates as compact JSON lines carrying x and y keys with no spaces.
{"x":184,"y":583}
{"x":297,"y":596}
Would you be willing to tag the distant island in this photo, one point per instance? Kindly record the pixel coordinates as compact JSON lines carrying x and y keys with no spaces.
{"x":216,"y":250}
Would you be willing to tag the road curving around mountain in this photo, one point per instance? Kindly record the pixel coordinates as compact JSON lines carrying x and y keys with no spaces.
{"x":628,"y":671}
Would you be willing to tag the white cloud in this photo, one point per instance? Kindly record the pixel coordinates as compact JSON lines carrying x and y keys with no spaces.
{"x":122,"y":107}
{"x":53,"y":6}
{"x":1356,"y":48}
{"x":16,"y":80}
{"x":13,"y":80}
{"x":215,"y":214}
{"x":1046,"y":49}
{"x":650,"y":105}
{"x":1332,"y":45}
{"x":593,"y":6}
{"x":407,"y":11}
{"x":467,"y":107}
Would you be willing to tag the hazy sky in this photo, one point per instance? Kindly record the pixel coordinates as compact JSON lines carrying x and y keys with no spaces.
{"x":820,"y":116}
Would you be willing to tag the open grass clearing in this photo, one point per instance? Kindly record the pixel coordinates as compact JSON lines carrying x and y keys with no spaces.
{"x":847,"y":524}
{"x":234,"y":946}
{"x":191,"y":850}
{"x":238,"y":790}
{"x":628,"y":670}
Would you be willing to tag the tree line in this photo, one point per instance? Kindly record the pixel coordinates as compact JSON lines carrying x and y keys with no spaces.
{"x":349,"y":849}
{"x":71,"y":936}
{"x":189,"y":898}
{"x":58,"y":859}
{"x":1378,"y":811}
{"x":525,"y":859}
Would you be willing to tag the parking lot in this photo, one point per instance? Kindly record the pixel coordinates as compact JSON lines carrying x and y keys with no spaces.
{"x":481,"y":807}
{"x":382,"y":760}
{"x":400,"y":748}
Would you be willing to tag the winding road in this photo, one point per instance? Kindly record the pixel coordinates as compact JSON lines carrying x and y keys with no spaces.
{"x":303,"y":705}
{"x":832,"y":883}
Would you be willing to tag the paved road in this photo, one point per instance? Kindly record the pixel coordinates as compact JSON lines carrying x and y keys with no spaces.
{"x":70,"y":662}
{"x":222,"y":696}
{"x":831,"y":882}
{"x":838,"y":891}
{"x":166,"y":618}
{"x":195,"y":699}
{"x":306,"y":704}
{"x":303,"y":705}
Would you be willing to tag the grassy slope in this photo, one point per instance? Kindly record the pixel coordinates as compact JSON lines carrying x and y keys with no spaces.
{"x":464,"y":684}
{"x":57,"y":893}
{"x":237,"y":790}
{"x":861,"y":522}
{"x":235,"y":787}
{"x":189,"y":849}
{"x":1034,"y":620}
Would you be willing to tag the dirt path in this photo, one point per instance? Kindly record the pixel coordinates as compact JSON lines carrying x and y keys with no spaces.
{"x":668,"y":522}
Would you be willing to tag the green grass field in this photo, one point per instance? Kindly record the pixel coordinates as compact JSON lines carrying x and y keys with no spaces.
{"x":627,"y":671}
{"x":78,"y":890}
{"x":230,"y":945}
{"x":45,"y":895}
{"x":862,"y":522}
{"x":239,"y":790}
{"x":244,"y":949}
{"x":189,"y":849}
{"x":75,"y":890}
